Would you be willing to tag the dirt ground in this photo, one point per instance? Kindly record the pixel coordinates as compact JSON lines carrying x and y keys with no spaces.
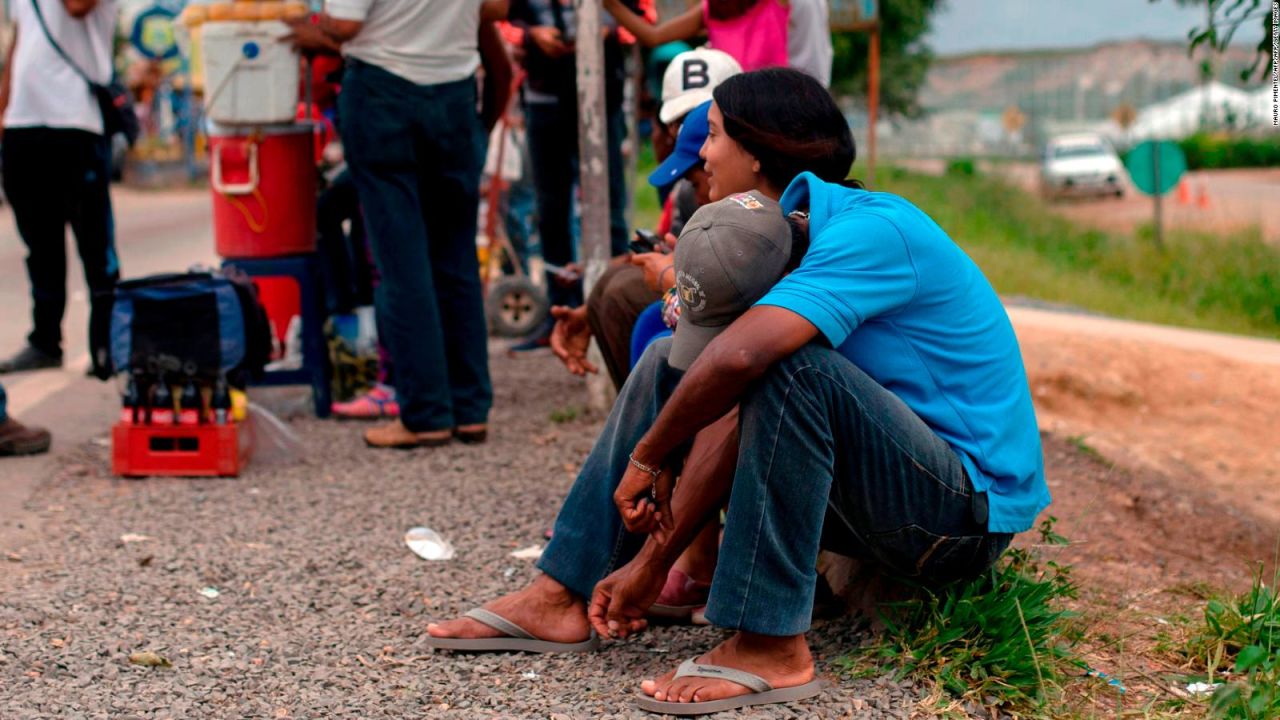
{"x":1163,"y":466}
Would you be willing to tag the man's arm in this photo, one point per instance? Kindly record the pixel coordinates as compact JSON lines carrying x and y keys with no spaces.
{"x":6,"y":79}
{"x":620,"y":601}
{"x":323,"y":34}
{"x":497,"y":75}
{"x":713,"y":385}
{"x":79,"y":8}
{"x":682,"y":27}
{"x":494,"y":10}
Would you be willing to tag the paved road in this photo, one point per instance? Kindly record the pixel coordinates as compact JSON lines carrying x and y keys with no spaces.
{"x":156,"y":232}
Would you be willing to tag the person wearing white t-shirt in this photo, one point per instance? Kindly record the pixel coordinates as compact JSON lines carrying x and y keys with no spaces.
{"x":415,"y":146}
{"x":57,"y":167}
{"x":809,"y":39}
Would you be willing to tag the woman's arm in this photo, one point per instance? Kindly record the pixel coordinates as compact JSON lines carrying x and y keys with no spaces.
{"x":684,"y":26}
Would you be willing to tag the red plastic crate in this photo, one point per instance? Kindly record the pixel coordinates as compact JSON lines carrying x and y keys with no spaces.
{"x":177,"y":450}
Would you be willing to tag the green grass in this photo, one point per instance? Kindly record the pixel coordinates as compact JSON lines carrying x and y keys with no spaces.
{"x":1231,"y":284}
{"x":1082,"y":446}
{"x":644,"y":199}
{"x":1002,"y":639}
{"x":1238,"y":644}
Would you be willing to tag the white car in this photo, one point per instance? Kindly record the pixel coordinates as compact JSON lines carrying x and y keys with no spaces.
{"x":1081,"y":165}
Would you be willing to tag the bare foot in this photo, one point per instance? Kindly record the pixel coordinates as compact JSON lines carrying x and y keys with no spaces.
{"x":546,"y":609}
{"x":781,"y":661}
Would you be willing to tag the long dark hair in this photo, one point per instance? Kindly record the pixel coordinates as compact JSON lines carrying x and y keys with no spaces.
{"x":789,"y":122}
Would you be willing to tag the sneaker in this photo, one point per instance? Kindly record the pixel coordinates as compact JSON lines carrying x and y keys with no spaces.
{"x":30,"y":358}
{"x":18,"y":439}
{"x":377,"y":404}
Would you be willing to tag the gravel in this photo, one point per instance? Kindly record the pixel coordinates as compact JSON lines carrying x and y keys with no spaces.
{"x":319,"y":608}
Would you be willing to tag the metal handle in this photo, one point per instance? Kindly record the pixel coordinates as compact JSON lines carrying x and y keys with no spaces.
{"x":234,"y":188}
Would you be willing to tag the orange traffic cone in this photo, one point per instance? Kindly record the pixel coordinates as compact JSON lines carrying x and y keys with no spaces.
{"x":1202,"y":198}
{"x":1184,"y":192}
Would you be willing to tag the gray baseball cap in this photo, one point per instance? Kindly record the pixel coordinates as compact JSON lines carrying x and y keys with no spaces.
{"x":730,"y":254}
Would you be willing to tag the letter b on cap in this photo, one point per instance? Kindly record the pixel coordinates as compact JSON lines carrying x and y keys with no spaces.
{"x":696,"y":74}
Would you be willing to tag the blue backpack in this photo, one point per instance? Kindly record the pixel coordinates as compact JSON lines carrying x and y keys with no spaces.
{"x":201,"y":324}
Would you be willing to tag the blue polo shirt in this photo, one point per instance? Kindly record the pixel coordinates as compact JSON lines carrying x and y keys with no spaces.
{"x":891,"y":292}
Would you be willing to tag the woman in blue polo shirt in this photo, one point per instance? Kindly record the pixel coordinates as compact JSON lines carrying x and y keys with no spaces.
{"x":884,"y":412}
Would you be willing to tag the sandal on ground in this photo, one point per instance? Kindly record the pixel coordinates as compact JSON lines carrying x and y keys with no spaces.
{"x":377,"y":404}
{"x":517,"y":639}
{"x":762,"y":693}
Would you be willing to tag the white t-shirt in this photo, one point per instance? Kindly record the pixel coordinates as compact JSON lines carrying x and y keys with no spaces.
{"x":426,"y":42}
{"x":809,"y":39}
{"x":44,"y":90}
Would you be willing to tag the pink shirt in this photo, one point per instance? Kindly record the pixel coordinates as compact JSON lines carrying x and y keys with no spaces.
{"x":756,"y":39}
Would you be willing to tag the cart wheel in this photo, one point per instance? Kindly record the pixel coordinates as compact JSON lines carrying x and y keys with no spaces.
{"x":515,"y":307}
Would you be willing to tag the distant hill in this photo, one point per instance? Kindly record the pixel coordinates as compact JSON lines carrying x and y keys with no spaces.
{"x":1082,"y":83}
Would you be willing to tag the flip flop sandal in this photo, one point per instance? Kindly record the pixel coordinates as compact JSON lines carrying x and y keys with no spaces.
{"x":517,"y":639}
{"x":377,"y":404}
{"x":762,"y":693}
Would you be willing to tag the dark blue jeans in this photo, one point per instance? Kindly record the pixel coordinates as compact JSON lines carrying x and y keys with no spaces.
{"x":827,"y":458}
{"x":416,"y":152}
{"x":553,"y":150}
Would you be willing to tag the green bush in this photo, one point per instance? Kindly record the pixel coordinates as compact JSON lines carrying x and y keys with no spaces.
{"x":962,"y":167}
{"x":1206,"y":151}
{"x":1003,"y":638}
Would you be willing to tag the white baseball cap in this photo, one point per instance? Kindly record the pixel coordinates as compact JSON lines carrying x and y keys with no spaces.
{"x":690,"y":78}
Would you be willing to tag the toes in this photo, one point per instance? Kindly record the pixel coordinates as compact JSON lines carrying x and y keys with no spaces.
{"x":649,"y":687}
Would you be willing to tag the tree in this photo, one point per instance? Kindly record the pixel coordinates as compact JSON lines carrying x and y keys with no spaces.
{"x":1224,"y":18}
{"x":904,"y":57}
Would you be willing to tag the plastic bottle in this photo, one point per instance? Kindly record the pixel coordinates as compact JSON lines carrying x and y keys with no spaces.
{"x":162,"y":404}
{"x":189,"y":404}
{"x":221,"y":401}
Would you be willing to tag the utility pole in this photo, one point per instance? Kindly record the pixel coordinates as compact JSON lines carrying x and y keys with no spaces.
{"x":593,"y":168}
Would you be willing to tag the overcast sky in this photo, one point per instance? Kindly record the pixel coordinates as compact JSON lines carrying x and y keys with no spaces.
{"x":967,"y":25}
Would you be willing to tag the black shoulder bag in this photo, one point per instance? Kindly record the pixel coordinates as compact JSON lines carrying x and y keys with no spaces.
{"x":118,"y":115}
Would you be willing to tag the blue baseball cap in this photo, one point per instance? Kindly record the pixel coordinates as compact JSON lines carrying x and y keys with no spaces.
{"x":693,"y":133}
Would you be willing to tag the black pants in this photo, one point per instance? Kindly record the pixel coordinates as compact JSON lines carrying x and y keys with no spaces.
{"x":54,"y":177}
{"x":348,"y":274}
{"x":553,"y":149}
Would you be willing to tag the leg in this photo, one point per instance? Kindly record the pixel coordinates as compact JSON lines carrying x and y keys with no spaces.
{"x":619,"y":233}
{"x":450,"y":201}
{"x":820,"y":439}
{"x":589,"y":538}
{"x":378,"y":134}
{"x":553,"y":150}
{"x":93,"y":224}
{"x":334,"y":207}
{"x":32,"y":182}
{"x":615,"y":302}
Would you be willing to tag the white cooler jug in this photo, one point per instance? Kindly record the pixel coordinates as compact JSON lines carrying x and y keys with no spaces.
{"x":250,"y":76}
